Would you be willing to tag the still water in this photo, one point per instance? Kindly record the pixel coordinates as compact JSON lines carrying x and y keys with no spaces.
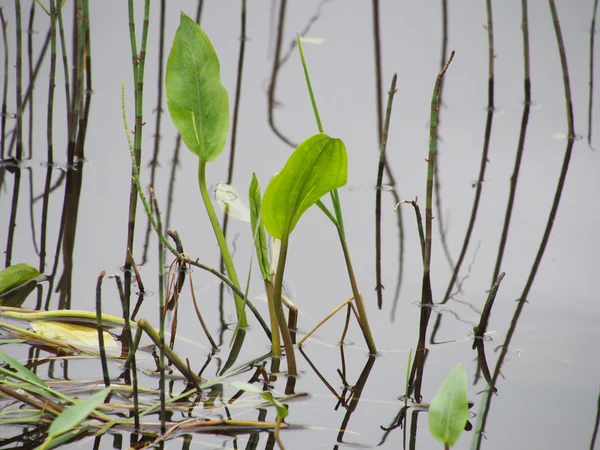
{"x":548,"y":388}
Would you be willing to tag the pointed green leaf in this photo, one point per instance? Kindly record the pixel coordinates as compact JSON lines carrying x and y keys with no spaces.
{"x":449,"y":409}
{"x":16,"y":275}
{"x":258,"y":230}
{"x":74,"y":415}
{"x":23,"y":371}
{"x":317,"y":166}
{"x":197,"y":100}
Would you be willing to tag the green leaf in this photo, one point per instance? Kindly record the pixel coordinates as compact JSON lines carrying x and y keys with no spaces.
{"x":449,"y":409}
{"x":317,"y":166}
{"x":23,"y":371}
{"x":16,"y":275}
{"x":282,"y":410}
{"x":258,"y":231}
{"x":197,"y":100}
{"x":74,"y":415}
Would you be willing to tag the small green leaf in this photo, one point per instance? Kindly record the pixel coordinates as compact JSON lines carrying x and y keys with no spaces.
{"x":258,"y":231}
{"x":317,"y":166}
{"x":449,"y":409}
{"x":74,"y":415}
{"x":197,"y":100}
{"x":282,"y":410}
{"x":23,"y":371}
{"x":16,"y":275}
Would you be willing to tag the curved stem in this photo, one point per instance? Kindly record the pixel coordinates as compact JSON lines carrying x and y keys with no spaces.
{"x":214,"y":221}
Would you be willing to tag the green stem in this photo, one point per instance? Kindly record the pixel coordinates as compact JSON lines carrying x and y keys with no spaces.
{"x":285,"y":332}
{"x":275,"y":341}
{"x":214,"y":221}
{"x":339,"y":219}
{"x":363,"y":321}
{"x":170,"y":354}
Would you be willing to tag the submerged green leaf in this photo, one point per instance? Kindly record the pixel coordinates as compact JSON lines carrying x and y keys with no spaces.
{"x":197,"y":100}
{"x":16,"y":275}
{"x":282,"y":410}
{"x":449,"y":409}
{"x":317,"y":166}
{"x":74,"y":415}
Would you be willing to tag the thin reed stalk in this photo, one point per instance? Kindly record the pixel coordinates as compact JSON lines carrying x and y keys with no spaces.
{"x":49,"y":139}
{"x":102,"y":349}
{"x":521,"y":144}
{"x":591,"y":72}
{"x":159,"y":112}
{"x":138,"y":64}
{"x":19,"y":80}
{"x":130,"y":346}
{"x":274,"y":73}
{"x":484,"y":158}
{"x":388,"y":170}
{"x":386,"y":126}
{"x":480,"y":428}
{"x":482,"y":168}
{"x":30,"y":75}
{"x":161,"y":314}
{"x":436,"y":176}
{"x":4,"y":112}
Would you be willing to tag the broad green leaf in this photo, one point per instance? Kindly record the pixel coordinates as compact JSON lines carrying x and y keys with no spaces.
{"x":15,"y":297}
{"x":76,"y":335}
{"x":197,"y":100}
{"x":23,"y":371}
{"x":74,"y":415}
{"x":258,"y":231}
{"x":230,"y":201}
{"x":449,"y":409}
{"x":16,"y":275}
{"x":282,"y":410}
{"x":317,"y":166}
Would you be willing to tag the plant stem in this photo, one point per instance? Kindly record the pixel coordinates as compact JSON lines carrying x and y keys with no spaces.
{"x":339,"y":220}
{"x":386,"y":126}
{"x":285,"y":332}
{"x":363,"y":321}
{"x":214,"y":221}
{"x":161,"y":314}
{"x":275,"y":341}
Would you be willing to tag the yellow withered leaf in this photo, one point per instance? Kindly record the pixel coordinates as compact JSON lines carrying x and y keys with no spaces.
{"x":77,"y":336}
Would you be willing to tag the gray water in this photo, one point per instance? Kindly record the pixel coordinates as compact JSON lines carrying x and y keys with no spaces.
{"x":548,"y":391}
